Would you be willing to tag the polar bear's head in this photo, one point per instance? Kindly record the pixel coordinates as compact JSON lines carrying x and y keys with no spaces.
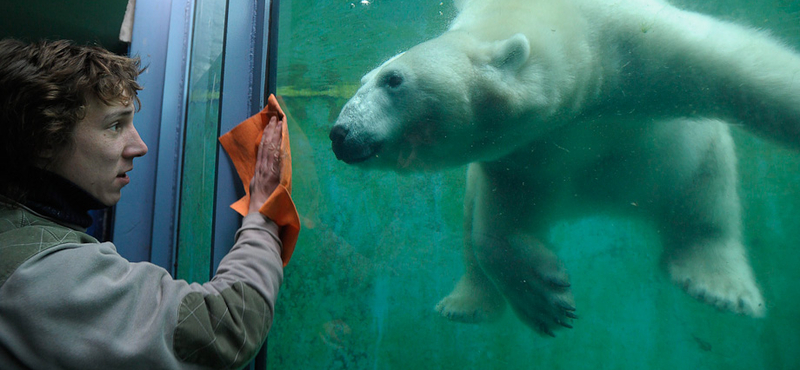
{"x":446,"y":102}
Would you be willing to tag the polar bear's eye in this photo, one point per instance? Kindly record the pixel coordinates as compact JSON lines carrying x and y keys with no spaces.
{"x":393,"y":80}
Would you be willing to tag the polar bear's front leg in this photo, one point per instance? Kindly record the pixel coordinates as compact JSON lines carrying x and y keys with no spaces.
{"x":532,"y":279}
{"x":475,"y":298}
{"x":529,"y":276}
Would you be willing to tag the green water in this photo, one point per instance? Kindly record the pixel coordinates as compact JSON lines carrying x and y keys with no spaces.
{"x":379,"y":250}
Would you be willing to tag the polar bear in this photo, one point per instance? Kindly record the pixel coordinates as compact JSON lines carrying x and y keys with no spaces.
{"x":566,"y":107}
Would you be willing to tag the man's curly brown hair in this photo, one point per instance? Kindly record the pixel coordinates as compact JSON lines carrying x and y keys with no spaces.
{"x":44,"y":87}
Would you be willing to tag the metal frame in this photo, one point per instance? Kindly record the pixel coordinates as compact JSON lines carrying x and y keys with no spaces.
{"x":161,"y":39}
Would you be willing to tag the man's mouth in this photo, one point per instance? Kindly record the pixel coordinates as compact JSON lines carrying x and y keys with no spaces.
{"x":124,"y":175}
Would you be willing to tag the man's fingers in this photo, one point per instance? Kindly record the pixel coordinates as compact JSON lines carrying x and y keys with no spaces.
{"x":269,"y":151}
{"x":274,"y":146}
{"x":268,"y":141}
{"x":276,"y":132}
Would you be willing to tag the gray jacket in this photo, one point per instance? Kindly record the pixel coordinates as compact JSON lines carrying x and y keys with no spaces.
{"x":68,"y":301}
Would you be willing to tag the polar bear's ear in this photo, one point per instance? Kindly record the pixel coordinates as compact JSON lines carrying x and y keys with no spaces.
{"x":511,"y":53}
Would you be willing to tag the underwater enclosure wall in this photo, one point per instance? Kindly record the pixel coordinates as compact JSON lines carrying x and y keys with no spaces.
{"x":378,"y":250}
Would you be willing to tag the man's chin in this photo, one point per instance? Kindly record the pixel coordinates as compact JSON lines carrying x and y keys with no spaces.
{"x":110,"y":199}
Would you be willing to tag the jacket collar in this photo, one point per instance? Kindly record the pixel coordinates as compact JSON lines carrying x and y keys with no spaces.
{"x":60,"y":199}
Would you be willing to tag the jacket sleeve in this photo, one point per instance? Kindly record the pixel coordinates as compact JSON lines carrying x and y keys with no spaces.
{"x":83,"y":306}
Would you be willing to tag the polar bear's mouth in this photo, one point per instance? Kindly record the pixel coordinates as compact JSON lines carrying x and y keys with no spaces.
{"x":354,"y":158}
{"x":353,"y":155}
{"x":348,"y":149}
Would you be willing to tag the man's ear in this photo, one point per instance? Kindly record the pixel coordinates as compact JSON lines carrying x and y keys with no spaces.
{"x":510,"y":54}
{"x":47,"y":153}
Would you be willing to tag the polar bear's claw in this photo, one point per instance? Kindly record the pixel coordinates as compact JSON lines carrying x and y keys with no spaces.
{"x":547,"y":313}
{"x":718,"y":275}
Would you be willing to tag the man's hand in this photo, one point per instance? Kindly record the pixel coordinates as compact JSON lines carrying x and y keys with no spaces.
{"x":267,"y":175}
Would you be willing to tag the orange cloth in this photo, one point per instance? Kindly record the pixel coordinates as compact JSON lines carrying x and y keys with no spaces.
{"x":241,"y":144}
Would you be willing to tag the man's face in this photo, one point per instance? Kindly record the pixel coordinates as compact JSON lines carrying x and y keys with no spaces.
{"x":104,"y":145}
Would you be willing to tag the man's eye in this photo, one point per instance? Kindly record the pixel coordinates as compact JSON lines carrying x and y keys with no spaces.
{"x":116,"y":126}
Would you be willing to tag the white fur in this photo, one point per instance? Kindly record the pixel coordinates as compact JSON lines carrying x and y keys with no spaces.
{"x":574,"y":106}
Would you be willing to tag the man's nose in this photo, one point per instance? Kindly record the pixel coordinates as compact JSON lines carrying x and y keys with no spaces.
{"x":136,"y":147}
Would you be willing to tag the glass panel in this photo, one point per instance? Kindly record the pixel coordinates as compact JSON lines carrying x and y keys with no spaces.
{"x":380,"y":249}
{"x":195,"y":234}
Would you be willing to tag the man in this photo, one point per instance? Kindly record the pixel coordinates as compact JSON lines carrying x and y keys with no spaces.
{"x":68,"y":301}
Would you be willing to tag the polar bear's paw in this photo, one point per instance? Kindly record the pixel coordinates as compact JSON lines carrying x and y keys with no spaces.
{"x":542,"y":304}
{"x":720,"y":277}
{"x":472,"y":302}
{"x":536,"y":285}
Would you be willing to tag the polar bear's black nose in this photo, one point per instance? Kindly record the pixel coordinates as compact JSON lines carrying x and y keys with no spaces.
{"x":348,"y":148}
{"x":338,"y":135}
